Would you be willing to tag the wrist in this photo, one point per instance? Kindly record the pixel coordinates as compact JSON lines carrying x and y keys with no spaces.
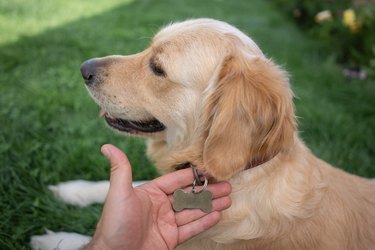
{"x":95,"y":244}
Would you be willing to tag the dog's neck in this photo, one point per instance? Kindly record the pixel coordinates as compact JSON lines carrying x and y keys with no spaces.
{"x":167,"y":161}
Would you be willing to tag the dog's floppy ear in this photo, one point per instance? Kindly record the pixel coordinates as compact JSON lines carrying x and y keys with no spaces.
{"x":249,"y":115}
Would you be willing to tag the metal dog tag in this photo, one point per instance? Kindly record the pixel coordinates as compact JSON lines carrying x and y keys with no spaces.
{"x":183,"y":200}
{"x":195,"y":199}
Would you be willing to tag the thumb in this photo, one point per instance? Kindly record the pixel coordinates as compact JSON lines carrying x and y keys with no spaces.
{"x":121,"y":173}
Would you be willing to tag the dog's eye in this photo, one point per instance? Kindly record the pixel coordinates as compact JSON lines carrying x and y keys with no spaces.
{"x":157,"y":69}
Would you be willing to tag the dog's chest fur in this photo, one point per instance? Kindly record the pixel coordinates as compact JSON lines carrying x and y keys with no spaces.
{"x":285,"y":204}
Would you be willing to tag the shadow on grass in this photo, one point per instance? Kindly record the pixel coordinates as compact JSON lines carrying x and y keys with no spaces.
{"x":51,"y":131}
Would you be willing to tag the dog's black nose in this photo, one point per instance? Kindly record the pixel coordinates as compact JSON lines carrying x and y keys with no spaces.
{"x":88,"y":71}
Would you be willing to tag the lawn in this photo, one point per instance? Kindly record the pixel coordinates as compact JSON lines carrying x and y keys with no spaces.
{"x":50,"y":129}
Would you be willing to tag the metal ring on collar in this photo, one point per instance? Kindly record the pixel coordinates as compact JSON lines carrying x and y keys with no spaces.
{"x":203,"y":188}
{"x":197,"y":176}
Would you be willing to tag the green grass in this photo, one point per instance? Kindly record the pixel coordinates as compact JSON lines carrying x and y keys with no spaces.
{"x":50,"y":130}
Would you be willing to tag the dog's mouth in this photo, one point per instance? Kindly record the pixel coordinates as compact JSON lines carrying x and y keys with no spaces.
{"x":133,"y":127}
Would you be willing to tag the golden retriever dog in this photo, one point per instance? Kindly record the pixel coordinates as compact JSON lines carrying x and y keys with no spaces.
{"x":204,"y":93}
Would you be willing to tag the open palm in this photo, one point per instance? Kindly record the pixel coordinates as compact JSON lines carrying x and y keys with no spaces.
{"x":143,"y":218}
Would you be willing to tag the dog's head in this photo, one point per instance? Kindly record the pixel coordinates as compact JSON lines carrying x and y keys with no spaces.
{"x":202,"y":89}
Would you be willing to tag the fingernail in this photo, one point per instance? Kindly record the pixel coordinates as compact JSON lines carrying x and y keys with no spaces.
{"x":105,"y":151}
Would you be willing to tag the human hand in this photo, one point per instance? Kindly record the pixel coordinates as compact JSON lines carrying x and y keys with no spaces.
{"x":142,"y":217}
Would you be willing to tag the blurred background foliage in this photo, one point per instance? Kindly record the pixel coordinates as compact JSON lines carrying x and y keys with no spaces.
{"x":347,"y":27}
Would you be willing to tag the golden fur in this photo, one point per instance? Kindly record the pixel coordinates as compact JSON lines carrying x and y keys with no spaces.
{"x":227,"y":109}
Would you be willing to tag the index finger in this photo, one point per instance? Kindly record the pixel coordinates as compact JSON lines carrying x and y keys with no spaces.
{"x":170,"y":182}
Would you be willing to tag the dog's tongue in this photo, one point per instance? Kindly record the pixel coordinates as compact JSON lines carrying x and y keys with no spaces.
{"x":102,"y":112}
